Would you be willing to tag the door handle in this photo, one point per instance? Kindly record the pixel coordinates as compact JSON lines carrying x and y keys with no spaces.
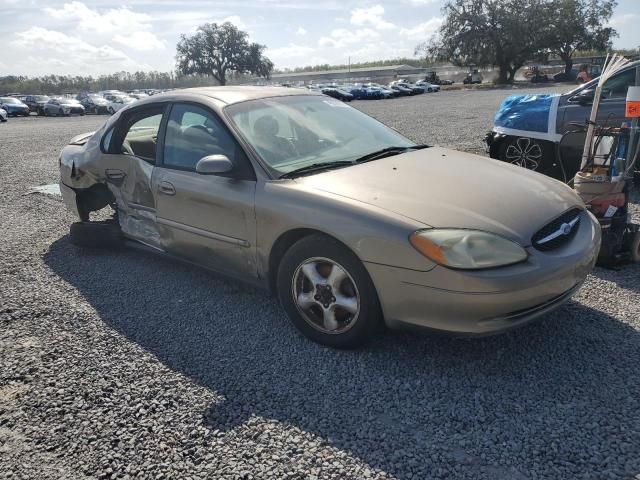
{"x":115,"y":174}
{"x":166,"y":188}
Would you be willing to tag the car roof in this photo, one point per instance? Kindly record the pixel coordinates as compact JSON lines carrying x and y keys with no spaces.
{"x":237,"y":94}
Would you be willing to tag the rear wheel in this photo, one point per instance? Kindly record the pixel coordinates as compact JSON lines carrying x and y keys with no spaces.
{"x":327,"y":293}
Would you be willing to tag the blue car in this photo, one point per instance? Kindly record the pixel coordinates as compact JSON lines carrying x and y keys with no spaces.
{"x":14,"y":107}
{"x":362,"y":92}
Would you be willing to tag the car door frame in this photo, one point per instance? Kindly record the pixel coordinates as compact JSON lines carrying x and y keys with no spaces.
{"x":136,"y":210}
{"x":245,"y":248}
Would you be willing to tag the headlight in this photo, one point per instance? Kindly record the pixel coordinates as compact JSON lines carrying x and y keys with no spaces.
{"x":467,"y":249}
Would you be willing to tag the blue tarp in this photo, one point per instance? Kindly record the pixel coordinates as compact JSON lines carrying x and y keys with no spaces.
{"x":525,"y":112}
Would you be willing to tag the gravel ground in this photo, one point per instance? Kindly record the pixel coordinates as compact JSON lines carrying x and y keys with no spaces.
{"x":104,"y":375}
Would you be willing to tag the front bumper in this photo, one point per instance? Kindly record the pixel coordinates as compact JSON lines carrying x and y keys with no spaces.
{"x":74,"y":111}
{"x":487,"y":301}
{"x":69,"y":198}
{"x":18,"y":111}
{"x":493,"y":139}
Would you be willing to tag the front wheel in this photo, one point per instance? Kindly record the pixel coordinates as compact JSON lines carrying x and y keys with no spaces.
{"x":523,"y":152}
{"x":327,"y":293}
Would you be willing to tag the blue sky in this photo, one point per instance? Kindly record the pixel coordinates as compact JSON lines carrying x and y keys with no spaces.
{"x":97,"y":36}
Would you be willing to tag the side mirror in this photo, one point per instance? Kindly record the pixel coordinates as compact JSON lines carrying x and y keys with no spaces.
{"x":214,"y":164}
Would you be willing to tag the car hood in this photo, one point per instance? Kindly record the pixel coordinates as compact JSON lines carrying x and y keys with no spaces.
{"x":439,"y":187}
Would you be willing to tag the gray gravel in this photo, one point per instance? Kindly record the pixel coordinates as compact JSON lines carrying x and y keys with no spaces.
{"x":123,"y":365}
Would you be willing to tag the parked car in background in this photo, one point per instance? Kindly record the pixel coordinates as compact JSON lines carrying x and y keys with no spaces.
{"x":333,"y":211}
{"x":473,"y":77}
{"x":137,"y":94}
{"x":528,"y":128}
{"x":14,"y":107}
{"x":401,"y":89}
{"x":106,"y":93}
{"x":62,"y":106}
{"x":362,"y":92}
{"x":36,"y":103}
{"x":338,"y":93}
{"x":116,"y":102}
{"x":93,"y":103}
{"x":4,"y":116}
{"x":429,"y":87}
{"x":385,"y":92}
{"x":415,"y":88}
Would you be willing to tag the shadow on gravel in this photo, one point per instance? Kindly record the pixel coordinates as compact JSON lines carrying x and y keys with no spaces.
{"x":625,"y":276}
{"x":558,"y":398}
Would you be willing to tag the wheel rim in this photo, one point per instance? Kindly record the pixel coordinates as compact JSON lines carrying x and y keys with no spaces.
{"x":525,"y":153}
{"x":326,"y":295}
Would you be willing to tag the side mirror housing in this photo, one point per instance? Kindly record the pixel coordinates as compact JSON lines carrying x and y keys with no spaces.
{"x":214,"y":164}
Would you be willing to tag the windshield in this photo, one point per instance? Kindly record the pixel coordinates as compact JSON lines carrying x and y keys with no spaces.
{"x":292,"y":132}
{"x":40,"y":98}
{"x":10,"y":100}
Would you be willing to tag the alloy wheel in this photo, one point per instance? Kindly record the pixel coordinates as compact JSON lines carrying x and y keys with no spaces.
{"x":525,"y":153}
{"x":326,"y":295}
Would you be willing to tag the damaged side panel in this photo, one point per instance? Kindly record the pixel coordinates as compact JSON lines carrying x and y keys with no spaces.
{"x":96,"y":179}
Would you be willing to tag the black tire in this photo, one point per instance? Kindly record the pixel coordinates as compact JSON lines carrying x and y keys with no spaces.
{"x":634,"y":248}
{"x":368,"y":319}
{"x":104,"y":235}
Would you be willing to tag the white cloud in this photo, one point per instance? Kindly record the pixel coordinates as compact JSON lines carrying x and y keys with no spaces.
{"x":341,"y":37}
{"x":236,"y":20}
{"x":624,"y":19}
{"x":290,"y":51}
{"x":371,"y":16}
{"x":422,"y":31}
{"x":423,"y":2}
{"x":142,"y":41}
{"x":287,"y":56}
{"x":55,"y":52}
{"x":301,"y":31}
{"x":110,"y":21}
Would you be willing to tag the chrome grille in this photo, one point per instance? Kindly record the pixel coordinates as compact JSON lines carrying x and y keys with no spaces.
{"x":558,"y":232}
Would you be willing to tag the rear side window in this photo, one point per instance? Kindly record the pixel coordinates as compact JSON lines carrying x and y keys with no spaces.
{"x":138,"y":134}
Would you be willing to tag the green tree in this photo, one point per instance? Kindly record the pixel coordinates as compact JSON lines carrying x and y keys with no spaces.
{"x":503,"y":33}
{"x":575,"y":25}
{"x":220,"y":51}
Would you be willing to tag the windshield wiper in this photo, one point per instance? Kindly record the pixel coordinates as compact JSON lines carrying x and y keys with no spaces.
{"x":387,"y":152}
{"x":384,"y":152}
{"x":316,"y":167}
